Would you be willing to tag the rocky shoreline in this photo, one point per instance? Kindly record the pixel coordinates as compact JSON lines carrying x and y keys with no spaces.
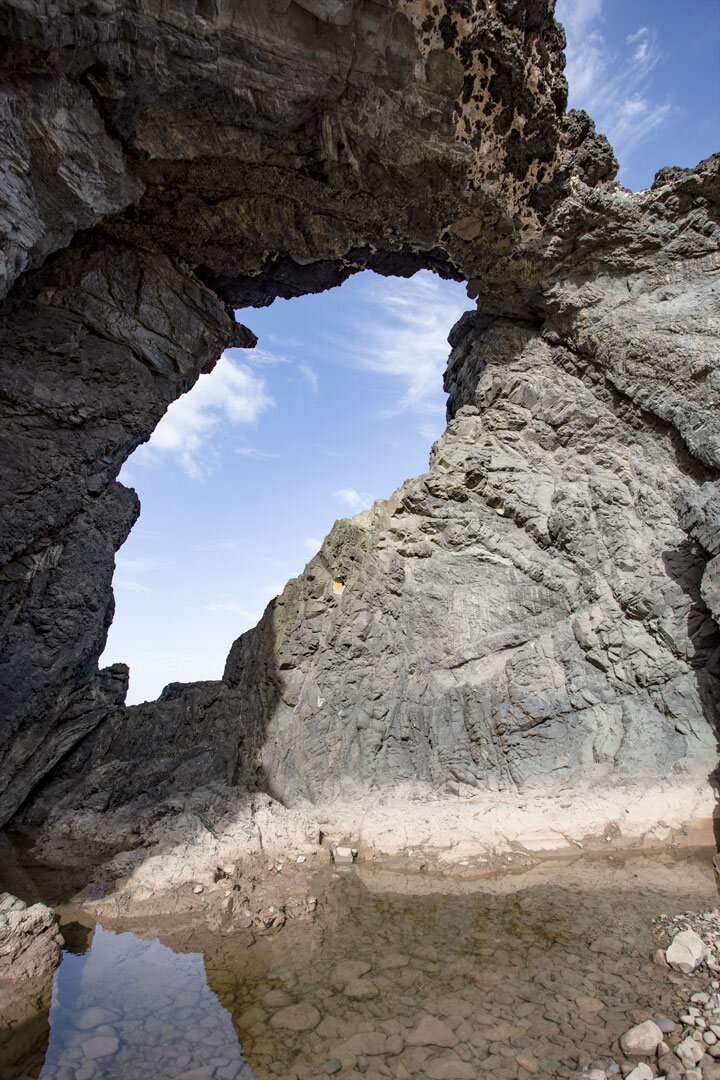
{"x":150,"y":866}
{"x":572,"y":1017}
{"x":688,"y":1047}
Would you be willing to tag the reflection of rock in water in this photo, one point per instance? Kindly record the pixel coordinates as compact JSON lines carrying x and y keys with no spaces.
{"x":131,"y":1009}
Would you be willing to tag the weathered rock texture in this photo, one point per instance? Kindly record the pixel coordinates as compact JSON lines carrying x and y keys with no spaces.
{"x":537,"y":606}
{"x":30,"y":942}
{"x":530,"y":611}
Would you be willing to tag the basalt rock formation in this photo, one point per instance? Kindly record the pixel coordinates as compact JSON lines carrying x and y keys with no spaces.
{"x":538,"y":606}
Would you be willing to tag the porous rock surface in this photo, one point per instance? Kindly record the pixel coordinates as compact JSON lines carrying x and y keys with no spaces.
{"x":537,"y":609}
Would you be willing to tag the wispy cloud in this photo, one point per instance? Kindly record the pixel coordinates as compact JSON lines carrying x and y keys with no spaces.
{"x":328,"y":451}
{"x":354,"y":500}
{"x":614,"y":86}
{"x":403,"y":336}
{"x":231,"y":394}
{"x":128,"y":571}
{"x":233,"y":609}
{"x":255,"y":454}
{"x":218,"y":545}
{"x":577,"y":15}
{"x":310,"y":376}
{"x":131,"y":586}
{"x":312,"y":543}
{"x":258,"y":357}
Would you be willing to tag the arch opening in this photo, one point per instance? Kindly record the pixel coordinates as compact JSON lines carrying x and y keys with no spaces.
{"x":245,"y":474}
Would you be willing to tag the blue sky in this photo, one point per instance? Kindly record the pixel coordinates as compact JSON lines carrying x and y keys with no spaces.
{"x":342,"y":398}
{"x":648,"y":72}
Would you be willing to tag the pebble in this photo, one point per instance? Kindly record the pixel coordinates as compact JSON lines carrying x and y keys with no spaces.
{"x":302,"y":1017}
{"x":350,"y":969}
{"x":370,"y":1043}
{"x":666,"y":1025}
{"x":87,"y":1019}
{"x":641,"y":1072}
{"x":431,"y":1032}
{"x":360,"y":989}
{"x":100,"y":1046}
{"x":641,"y":1040}
{"x":689,"y":1051}
{"x":449,"y":1069}
{"x":685,"y":952}
{"x":607,"y":946}
{"x":590,"y":1004}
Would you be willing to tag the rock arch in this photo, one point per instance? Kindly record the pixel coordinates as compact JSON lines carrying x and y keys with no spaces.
{"x":167,"y":162}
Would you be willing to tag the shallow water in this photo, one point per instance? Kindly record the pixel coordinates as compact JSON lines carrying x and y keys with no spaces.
{"x":510,"y":981}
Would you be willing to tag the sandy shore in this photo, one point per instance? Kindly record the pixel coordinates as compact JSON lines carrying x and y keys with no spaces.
{"x":459,"y":836}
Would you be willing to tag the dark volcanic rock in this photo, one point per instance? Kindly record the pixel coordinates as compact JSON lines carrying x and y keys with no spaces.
{"x":95,"y":346}
{"x":538,"y":604}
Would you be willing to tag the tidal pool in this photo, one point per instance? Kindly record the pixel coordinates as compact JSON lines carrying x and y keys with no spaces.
{"x":529,"y":976}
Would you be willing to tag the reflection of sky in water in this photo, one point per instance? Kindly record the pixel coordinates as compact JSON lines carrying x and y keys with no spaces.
{"x":131,"y":1009}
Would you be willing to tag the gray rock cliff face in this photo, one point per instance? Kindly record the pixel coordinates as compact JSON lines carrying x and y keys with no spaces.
{"x":537,"y":608}
{"x":534,"y":612}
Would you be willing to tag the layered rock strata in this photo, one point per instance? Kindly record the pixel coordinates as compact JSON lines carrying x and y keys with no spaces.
{"x":536,"y":610}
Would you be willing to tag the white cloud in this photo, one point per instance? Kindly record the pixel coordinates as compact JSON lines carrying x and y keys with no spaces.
{"x":404,"y":337}
{"x":233,"y":609}
{"x":263,"y":358}
{"x":354,"y":500}
{"x":253,"y":452}
{"x":230,"y":394}
{"x":313,"y":544}
{"x":131,"y":586}
{"x":310,"y":375}
{"x":328,"y":451}
{"x":576,"y":15}
{"x":614,"y":88}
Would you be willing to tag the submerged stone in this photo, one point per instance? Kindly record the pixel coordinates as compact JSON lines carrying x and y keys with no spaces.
{"x":302,"y":1017}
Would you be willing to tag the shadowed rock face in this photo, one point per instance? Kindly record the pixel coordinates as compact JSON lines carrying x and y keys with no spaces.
{"x":539,"y":600}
